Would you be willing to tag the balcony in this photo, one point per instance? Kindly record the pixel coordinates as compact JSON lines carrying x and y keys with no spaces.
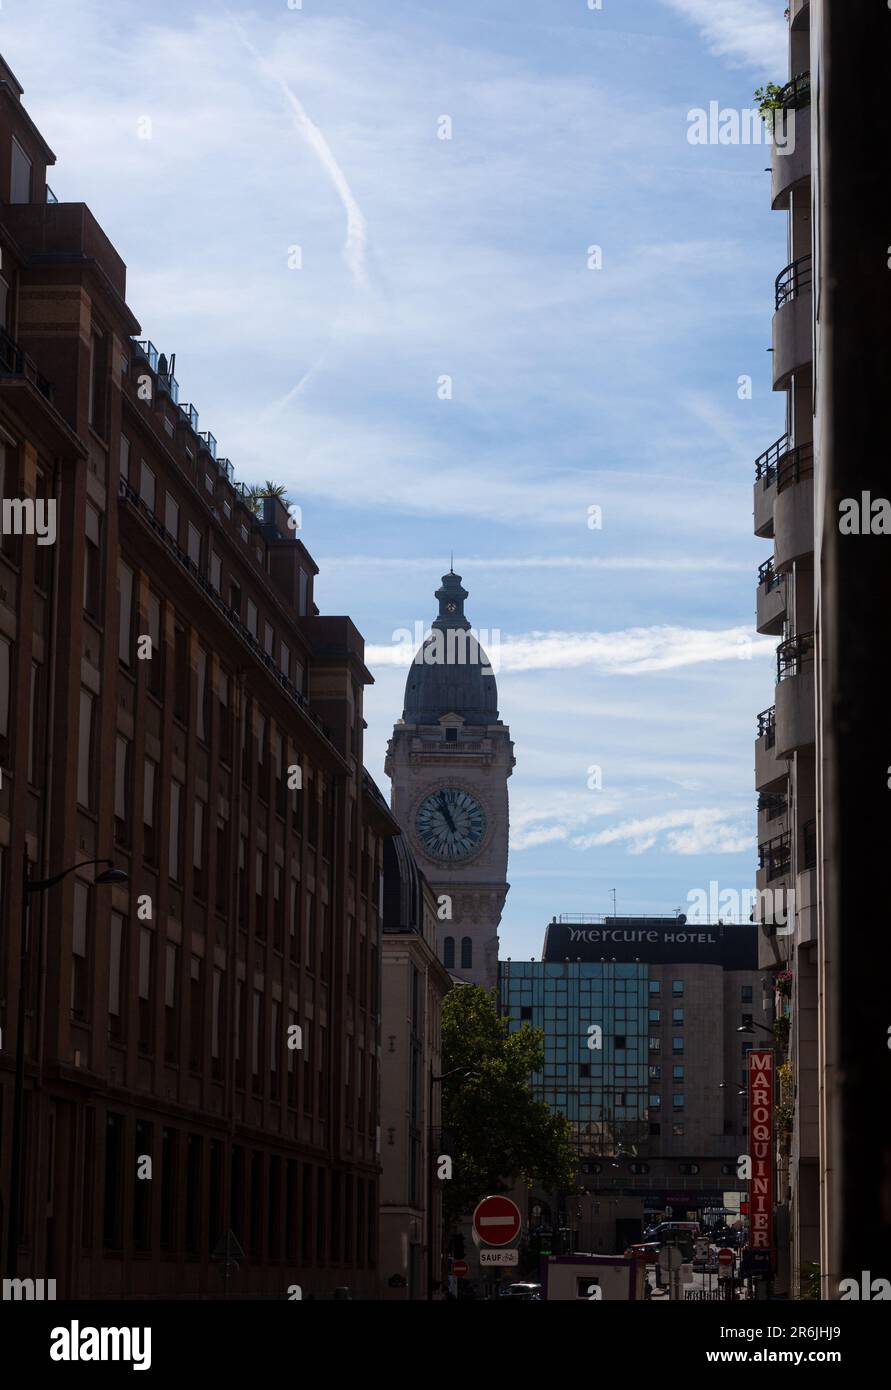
{"x":793,"y":321}
{"x":771,"y":599}
{"x":769,"y":770}
{"x":790,"y":154}
{"x":58,"y":233}
{"x":190,"y":416}
{"x":16,"y":362}
{"x":765,"y":486}
{"x":793,"y":511}
{"x":775,"y":857}
{"x":795,"y":713}
{"x":209,"y":442}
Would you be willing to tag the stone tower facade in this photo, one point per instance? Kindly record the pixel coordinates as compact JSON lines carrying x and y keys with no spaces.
{"x":449,"y":760}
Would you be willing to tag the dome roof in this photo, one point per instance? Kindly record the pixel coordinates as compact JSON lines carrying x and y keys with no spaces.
{"x":451,"y":674}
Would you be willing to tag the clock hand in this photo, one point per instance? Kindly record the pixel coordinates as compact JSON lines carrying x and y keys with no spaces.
{"x":445,"y":811}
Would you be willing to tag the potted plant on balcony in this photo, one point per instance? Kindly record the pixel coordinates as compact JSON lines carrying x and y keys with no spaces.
{"x":782,"y":983}
{"x":781,"y":1030}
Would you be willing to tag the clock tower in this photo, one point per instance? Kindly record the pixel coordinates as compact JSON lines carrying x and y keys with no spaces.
{"x":449,"y":760}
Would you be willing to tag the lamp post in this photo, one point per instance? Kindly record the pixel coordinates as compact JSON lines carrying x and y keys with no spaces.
{"x":430,"y":1170}
{"x":36,"y":885}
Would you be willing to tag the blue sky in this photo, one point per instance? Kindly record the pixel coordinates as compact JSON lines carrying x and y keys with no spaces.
{"x":631,"y":647}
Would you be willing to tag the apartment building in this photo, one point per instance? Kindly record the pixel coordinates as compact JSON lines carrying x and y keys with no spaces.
{"x":200,"y":1037}
{"x":785,"y":750}
{"x":645,"y":1057}
{"x":414,"y":984}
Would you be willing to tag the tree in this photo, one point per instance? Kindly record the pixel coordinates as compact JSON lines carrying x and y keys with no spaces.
{"x":499,"y":1132}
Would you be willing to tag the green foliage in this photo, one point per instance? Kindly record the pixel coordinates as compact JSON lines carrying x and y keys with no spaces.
{"x":781,"y":1030}
{"x":500,"y":1132}
{"x":810,"y":1281}
{"x":769,"y":98}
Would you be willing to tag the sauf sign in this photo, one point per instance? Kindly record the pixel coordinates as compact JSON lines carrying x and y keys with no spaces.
{"x":761,"y":1079}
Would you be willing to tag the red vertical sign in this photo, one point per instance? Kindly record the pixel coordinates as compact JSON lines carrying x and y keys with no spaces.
{"x":761,"y":1081}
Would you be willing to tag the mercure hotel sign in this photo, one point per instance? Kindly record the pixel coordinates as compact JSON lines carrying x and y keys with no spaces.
{"x":653,"y":941}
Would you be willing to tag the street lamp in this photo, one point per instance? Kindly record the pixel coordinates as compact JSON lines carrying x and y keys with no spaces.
{"x":430,"y":1160}
{"x":750,"y":1025}
{"x":109,"y":875}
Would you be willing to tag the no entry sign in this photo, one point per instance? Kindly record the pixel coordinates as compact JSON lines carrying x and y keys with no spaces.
{"x":497,"y":1221}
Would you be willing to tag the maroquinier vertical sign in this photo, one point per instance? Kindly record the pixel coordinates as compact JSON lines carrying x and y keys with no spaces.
{"x":761,"y":1083}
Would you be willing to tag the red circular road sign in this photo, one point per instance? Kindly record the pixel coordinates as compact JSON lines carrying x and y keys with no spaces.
{"x":725,"y":1256}
{"x":459,"y":1268}
{"x":497,"y":1220}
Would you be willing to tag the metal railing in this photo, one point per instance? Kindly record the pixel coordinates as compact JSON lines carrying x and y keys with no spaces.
{"x":767,"y":725}
{"x":209,"y":442}
{"x":50,"y":195}
{"x":191,"y":417}
{"x":226,"y":469}
{"x":796,"y":93}
{"x":766,"y":463}
{"x":795,"y":464}
{"x":793,"y":654}
{"x":126,"y":493}
{"x":776,"y":855}
{"x":14,"y":361}
{"x":169,"y":383}
{"x":769,"y":577}
{"x":147,"y":350}
{"x":793,"y":280}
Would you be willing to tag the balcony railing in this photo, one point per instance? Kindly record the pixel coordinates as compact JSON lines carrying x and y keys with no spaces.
{"x":796,"y":93}
{"x":126,"y":493}
{"x":767,"y":725}
{"x":209,"y":442}
{"x":776,"y":855}
{"x":793,"y":280}
{"x":775,"y":804}
{"x":769,"y":577}
{"x":191,"y":417}
{"x":14,"y":361}
{"x":169,"y":383}
{"x":147,"y":350}
{"x":226,"y":469}
{"x":50,"y":195}
{"x":794,"y":654}
{"x":766,"y":463}
{"x":794,"y":465}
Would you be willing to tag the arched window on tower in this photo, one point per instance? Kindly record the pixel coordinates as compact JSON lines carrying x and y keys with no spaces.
{"x":448,"y":953}
{"x":466,"y":953}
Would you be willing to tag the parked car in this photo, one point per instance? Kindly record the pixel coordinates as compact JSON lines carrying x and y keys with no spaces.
{"x":644,"y":1250}
{"x":530,"y":1292}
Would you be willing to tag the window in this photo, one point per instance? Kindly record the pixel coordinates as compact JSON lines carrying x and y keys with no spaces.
{"x":677,"y":1044}
{"x":677,"y":1100}
{"x":147,"y":486}
{"x":171,"y":1004}
{"x":169,"y":1170}
{"x":155,"y":673}
{"x":284,"y":660}
{"x":655,"y":1101}
{"x":196,"y":1015}
{"x":5,"y":687}
{"x":195,"y":545}
{"x":677,"y":1073}
{"x":84,"y":750}
{"x":466,"y":953}
{"x":115,"y":974}
{"x":655,"y":986}
{"x":216,"y":571}
{"x":125,"y":458}
{"x":194,"y":1148}
{"x":92,"y":562}
{"x":121,"y":787}
{"x":678,"y":1132}
{"x":655,"y":1073}
{"x":20,"y":181}
{"x":142,"y":1192}
{"x":145,"y":977}
{"x":677,"y":986}
{"x":171,"y":515}
{"x":655,"y":1130}
{"x":746,"y":994}
{"x":98,"y":372}
{"x":677,"y":1015}
{"x":202,"y":691}
{"x":268,"y":638}
{"x":215,"y":1006}
{"x":35,"y":725}
{"x":689,"y":1169}
{"x":252,"y":618}
{"x":655,"y":1044}
{"x":181,"y":675}
{"x":655,"y":1015}
{"x":148,"y":810}
{"x":304,"y":594}
{"x":79,"y":968}
{"x":173,"y":866}
{"x":112,"y":1205}
{"x":125,"y":635}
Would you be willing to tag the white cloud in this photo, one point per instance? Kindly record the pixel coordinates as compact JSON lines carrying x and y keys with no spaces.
{"x":751,"y":33}
{"x":704,"y":830}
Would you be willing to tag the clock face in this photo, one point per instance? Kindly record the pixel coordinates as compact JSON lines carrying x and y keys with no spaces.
{"x":450,"y":823}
